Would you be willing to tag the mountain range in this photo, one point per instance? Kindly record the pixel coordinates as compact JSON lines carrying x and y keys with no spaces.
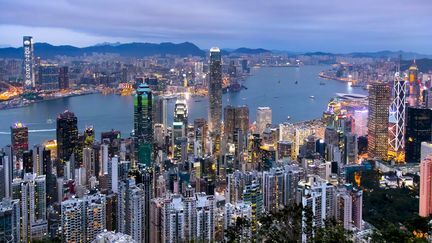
{"x":46,"y":51}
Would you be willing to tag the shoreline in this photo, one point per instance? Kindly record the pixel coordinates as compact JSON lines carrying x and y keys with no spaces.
{"x":28,"y":103}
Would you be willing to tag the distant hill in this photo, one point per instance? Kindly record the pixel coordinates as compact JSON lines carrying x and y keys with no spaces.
{"x":249,"y":51}
{"x":46,"y":50}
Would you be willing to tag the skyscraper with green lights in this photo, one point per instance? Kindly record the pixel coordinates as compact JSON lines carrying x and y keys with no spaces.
{"x":143,"y":126}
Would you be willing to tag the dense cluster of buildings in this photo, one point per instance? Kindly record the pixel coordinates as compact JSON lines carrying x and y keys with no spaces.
{"x":191,"y":180}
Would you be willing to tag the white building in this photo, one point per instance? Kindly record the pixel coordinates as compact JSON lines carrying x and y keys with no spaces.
{"x":263,"y":118}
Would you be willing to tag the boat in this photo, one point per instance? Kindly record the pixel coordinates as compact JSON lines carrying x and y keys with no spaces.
{"x":296,"y":82}
{"x":288,"y":118}
{"x":322,"y":83}
{"x":49,"y":121}
{"x":312,"y":97}
{"x":198,"y":100}
{"x":279,"y":81}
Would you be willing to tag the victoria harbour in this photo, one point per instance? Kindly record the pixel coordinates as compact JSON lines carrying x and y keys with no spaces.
{"x":275,"y":87}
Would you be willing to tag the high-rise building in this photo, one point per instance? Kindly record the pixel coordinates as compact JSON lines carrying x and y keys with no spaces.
{"x":178,"y":218}
{"x":6,"y":172}
{"x":130,"y":210}
{"x":379,"y":101}
{"x":425,"y":208}
{"x":143,"y":125}
{"x":82,"y":219}
{"x":215,"y":91}
{"x":48,"y":77}
{"x":235,"y":119}
{"x":72,"y":220}
{"x":360,"y":122}
{"x":418,"y":129}
{"x":67,"y":135}
{"x":397,"y":117}
{"x":29,"y":72}
{"x":414,"y":85}
{"x":19,"y":139}
{"x":10,"y":220}
{"x":63,"y":79}
{"x":41,"y":160}
{"x":31,"y":191}
{"x":263,"y":119}
{"x":232,"y":212}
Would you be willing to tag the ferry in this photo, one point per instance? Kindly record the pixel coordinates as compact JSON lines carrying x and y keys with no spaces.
{"x":312,"y":97}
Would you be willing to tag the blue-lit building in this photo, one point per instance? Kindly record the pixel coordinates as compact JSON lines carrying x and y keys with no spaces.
{"x":143,"y":125}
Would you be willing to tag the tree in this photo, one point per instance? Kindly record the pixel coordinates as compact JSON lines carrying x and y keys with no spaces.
{"x":239,"y":231}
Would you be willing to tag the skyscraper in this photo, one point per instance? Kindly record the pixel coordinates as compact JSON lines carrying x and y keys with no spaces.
{"x":67,"y":135}
{"x":418,"y":129}
{"x":10,"y":220}
{"x":48,"y":77}
{"x":19,"y":139}
{"x":63,"y":79}
{"x":31,"y":191}
{"x":425,"y":208}
{"x":397,"y":117}
{"x":143,"y":125}
{"x":235,"y":118}
{"x":379,"y":101}
{"x":29,"y":74}
{"x":414,"y":85}
{"x":215,"y":91}
{"x":263,"y":118}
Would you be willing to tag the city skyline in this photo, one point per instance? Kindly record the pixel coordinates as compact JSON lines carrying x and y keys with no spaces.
{"x":333,"y":26}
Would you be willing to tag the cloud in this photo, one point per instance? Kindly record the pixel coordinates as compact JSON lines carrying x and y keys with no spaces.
{"x":330,"y":25}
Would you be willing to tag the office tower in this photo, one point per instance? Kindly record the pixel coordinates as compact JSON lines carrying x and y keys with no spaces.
{"x":215,"y":91}
{"x":72,"y":220}
{"x":67,"y":135}
{"x":130,"y":210}
{"x":28,"y":65}
{"x":159,"y":110}
{"x":263,"y":119}
{"x":143,"y":125}
{"x":19,"y":139}
{"x":63,"y":79}
{"x":112,"y":237}
{"x":200,"y":128}
{"x":10,"y":220}
{"x":397,"y":118}
{"x":6,"y":172}
{"x":418,"y":129}
{"x":235,"y":118}
{"x":351,"y":149}
{"x":41,"y":160}
{"x":379,"y":101}
{"x":31,"y":191}
{"x":414,"y":85}
{"x":425,"y":207}
{"x":181,"y":112}
{"x":360,"y":122}
{"x":48,"y":77}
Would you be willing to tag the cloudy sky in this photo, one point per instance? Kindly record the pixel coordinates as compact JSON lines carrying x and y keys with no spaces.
{"x":301,"y":25}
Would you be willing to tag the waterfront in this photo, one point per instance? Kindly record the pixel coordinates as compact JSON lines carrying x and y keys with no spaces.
{"x":274,"y":87}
